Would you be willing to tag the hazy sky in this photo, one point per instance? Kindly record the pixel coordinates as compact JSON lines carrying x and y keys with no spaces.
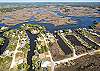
{"x":49,"y":0}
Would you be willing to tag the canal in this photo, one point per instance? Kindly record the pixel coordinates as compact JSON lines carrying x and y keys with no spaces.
{"x":32,"y":38}
{"x":5,"y":44}
{"x":63,"y":45}
{"x":86,"y":39}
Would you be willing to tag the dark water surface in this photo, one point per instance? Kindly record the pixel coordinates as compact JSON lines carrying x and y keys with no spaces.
{"x":5,"y":44}
{"x":30,"y":54}
{"x":63,"y":45}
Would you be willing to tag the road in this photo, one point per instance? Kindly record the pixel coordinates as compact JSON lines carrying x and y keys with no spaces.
{"x":72,"y":58}
{"x":52,"y":62}
{"x":16,"y":50}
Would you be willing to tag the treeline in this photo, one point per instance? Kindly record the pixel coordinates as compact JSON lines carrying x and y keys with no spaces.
{"x":4,"y":10}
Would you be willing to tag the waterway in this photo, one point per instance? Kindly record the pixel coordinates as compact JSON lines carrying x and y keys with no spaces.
{"x":32,"y":38}
{"x":87,"y":40}
{"x":5,"y":44}
{"x":63,"y":45}
{"x":82,"y":22}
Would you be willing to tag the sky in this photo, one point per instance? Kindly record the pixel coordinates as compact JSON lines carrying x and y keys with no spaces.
{"x":49,"y":0}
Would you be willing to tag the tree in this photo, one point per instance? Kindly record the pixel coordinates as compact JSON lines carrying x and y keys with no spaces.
{"x":1,"y":41}
{"x":23,"y":67}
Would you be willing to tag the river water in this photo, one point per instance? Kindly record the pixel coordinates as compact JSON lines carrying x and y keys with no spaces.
{"x":82,"y":22}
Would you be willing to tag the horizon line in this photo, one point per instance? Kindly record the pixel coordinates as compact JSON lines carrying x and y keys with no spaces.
{"x":45,"y":1}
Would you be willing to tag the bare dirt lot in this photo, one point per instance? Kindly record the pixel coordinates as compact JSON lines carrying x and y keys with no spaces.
{"x":85,"y":63}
